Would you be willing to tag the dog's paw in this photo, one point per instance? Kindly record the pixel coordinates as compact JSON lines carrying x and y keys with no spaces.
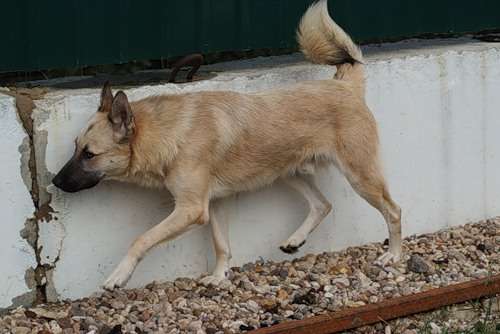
{"x":120,"y":275}
{"x":386,"y":258}
{"x":291,"y":247}
{"x":213,"y":280}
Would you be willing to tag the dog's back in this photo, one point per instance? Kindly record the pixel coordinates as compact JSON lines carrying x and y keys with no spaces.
{"x":250,"y":140}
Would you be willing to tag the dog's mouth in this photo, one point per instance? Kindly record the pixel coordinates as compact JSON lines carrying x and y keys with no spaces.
{"x":73,"y":185}
{"x":73,"y":178}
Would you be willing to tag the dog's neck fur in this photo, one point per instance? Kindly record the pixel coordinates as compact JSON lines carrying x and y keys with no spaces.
{"x":149,"y":165}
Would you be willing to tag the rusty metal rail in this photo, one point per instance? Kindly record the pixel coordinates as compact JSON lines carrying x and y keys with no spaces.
{"x":388,"y":309}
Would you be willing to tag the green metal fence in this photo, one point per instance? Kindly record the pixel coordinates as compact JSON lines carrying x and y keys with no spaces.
{"x":44,"y":34}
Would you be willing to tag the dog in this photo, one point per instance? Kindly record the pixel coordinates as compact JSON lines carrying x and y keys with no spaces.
{"x":205,"y":146}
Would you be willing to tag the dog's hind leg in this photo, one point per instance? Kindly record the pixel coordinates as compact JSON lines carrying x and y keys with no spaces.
{"x":375,"y":192}
{"x":221,"y":245}
{"x":360,"y":164}
{"x":319,"y":207}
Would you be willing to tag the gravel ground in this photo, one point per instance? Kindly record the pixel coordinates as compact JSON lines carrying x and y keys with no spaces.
{"x":265,"y":293}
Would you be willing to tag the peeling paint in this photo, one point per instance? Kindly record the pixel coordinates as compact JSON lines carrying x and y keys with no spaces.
{"x":16,"y":253}
{"x":25,"y":150}
{"x":35,"y":178}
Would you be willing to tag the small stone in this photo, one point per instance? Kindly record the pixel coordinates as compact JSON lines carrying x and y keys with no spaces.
{"x":55,"y":328}
{"x":315,"y":285}
{"x":435,"y":329}
{"x":282,"y":294}
{"x":400,"y":279}
{"x":457,"y":255}
{"x":351,"y":303}
{"x":76,"y":311}
{"x":49,"y":314}
{"x":248,"y":267}
{"x":308,"y":298}
{"x":418,"y":265}
{"x":211,"y":330}
{"x":184,"y":323}
{"x":481,"y":247}
{"x":329,"y":288}
{"x":341,"y":282}
{"x":195,"y":325}
{"x":146,"y":315}
{"x":246,"y":328}
{"x":209,"y":292}
{"x":268,"y":304}
{"x":64,"y":323}
{"x":409,"y":331}
{"x":339,"y":269}
{"x":247,"y":285}
{"x":363,"y":279}
{"x":225,"y":284}
{"x":464,"y":314}
{"x":183,"y":284}
{"x":235,"y":325}
{"x":293,"y":273}
{"x":118,"y":305}
{"x":480,"y":273}
{"x":21,"y":330}
{"x":253,"y":306}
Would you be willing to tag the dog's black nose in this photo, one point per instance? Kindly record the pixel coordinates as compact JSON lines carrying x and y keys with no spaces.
{"x":57,"y":181}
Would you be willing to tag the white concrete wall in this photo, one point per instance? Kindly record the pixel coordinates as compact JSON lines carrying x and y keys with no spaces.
{"x":16,"y":255}
{"x":438,"y":113}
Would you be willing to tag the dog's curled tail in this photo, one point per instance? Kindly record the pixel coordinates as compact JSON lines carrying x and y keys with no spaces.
{"x":322,"y":41}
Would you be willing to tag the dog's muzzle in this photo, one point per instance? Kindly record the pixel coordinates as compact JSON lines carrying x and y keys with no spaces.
{"x":72,"y":177}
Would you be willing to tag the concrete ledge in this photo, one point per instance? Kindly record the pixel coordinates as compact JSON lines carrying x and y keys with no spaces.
{"x":437,"y":108}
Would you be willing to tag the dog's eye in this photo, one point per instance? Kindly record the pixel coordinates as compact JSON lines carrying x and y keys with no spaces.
{"x":87,"y":154}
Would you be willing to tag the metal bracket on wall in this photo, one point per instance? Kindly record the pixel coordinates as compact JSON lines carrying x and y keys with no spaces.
{"x":195,"y":60}
{"x":492,"y":38}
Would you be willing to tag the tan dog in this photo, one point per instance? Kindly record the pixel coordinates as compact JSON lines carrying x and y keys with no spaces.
{"x":207,"y":145}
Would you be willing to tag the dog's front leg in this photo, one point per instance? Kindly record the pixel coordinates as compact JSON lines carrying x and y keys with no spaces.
{"x":181,"y":220}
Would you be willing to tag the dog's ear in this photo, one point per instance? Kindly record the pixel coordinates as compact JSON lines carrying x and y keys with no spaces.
{"x":121,"y":118}
{"x":106,"y":98}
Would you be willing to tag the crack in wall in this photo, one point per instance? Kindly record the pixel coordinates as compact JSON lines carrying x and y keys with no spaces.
{"x":39,"y":279}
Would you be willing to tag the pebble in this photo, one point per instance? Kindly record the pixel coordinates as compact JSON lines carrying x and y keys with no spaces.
{"x":329,"y":295}
{"x":21,"y":330}
{"x":363,"y":279}
{"x":264,"y":293}
{"x":435,"y":329}
{"x":341,"y":282}
{"x":418,"y":265}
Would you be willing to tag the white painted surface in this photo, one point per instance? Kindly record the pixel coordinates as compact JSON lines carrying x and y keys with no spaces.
{"x":16,"y":256}
{"x":438,"y":116}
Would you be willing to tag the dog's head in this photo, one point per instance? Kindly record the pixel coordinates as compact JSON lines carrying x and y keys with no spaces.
{"x":102,"y":150}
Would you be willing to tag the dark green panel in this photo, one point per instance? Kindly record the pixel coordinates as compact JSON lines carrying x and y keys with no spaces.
{"x":53,"y":28}
{"x":47,"y":34}
{"x":96,"y":33}
{"x":13,"y":54}
{"x":182,"y":26}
